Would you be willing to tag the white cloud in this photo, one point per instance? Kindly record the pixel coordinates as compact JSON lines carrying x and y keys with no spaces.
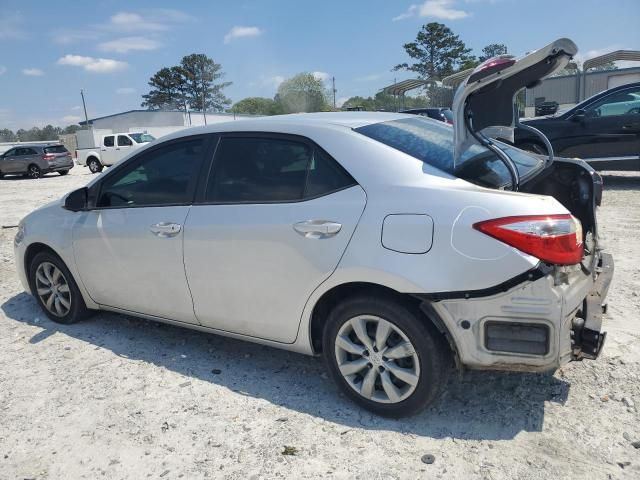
{"x":323,"y":76}
{"x":440,"y":9}
{"x":77,"y":107}
{"x":71,"y":118}
{"x":11,"y":26}
{"x":126,"y":44}
{"x":154,"y":20}
{"x":125,"y":90}
{"x":242,"y":32}
{"x":32,"y":72}
{"x":66,"y":37}
{"x":3,"y":70}
{"x":91,"y":64}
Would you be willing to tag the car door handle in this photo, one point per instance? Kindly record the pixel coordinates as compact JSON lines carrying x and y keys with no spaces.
{"x":165,"y":229}
{"x":631,"y":126}
{"x":317,"y":228}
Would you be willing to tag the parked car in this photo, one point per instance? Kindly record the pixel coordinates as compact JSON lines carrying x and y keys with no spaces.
{"x":361,"y":236}
{"x":546,"y":108}
{"x":35,"y":160}
{"x":110,"y":149}
{"x":438,"y":113}
{"x":604,"y":130}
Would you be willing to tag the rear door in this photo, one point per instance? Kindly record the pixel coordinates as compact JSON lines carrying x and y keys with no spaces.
{"x":274,"y":220}
{"x":610,"y":127}
{"x":108,"y":150}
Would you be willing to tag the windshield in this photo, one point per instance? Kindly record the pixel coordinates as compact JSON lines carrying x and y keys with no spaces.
{"x":432,"y":143}
{"x":142,"y":137}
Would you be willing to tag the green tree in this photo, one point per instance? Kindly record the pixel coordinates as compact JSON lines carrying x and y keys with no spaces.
{"x":201,"y":90}
{"x":437,"y":52}
{"x":492,"y":50}
{"x":302,"y":93}
{"x":7,"y":135}
{"x":256,"y":106}
{"x":194,"y":83}
{"x":168,"y":90}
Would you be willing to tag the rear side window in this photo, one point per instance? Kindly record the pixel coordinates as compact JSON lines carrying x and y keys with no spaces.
{"x":262,"y":170}
{"x":55,"y":149}
{"x":164,"y":176}
{"x":108,"y":141}
{"x":27,"y":151}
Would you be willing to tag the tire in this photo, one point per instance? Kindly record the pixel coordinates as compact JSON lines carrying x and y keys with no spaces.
{"x":533,"y":147}
{"x":63,"y":172}
{"x":34,"y":171}
{"x":94,"y":165}
{"x":47,"y":269}
{"x":425,"y":364}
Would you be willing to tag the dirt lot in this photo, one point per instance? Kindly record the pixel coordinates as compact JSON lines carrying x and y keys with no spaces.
{"x":121,"y":398}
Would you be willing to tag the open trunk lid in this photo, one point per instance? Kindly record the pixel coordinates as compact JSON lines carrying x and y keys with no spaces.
{"x":483,"y":106}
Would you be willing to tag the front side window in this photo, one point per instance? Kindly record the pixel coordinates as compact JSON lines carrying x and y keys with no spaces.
{"x":108,"y":141}
{"x":262,"y":170}
{"x":124,"y":141}
{"x":11,"y":153}
{"x":620,"y":103}
{"x":164,"y":176}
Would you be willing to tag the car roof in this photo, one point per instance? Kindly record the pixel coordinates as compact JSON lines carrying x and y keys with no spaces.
{"x":285,"y":123}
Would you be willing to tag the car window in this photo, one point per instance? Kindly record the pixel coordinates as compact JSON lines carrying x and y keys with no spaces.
{"x":164,"y":176}
{"x":142,"y":137}
{"x":108,"y":141}
{"x":29,"y":151}
{"x":11,"y":152}
{"x":55,"y":149}
{"x":620,"y":103}
{"x":124,"y":141}
{"x":258,"y":170}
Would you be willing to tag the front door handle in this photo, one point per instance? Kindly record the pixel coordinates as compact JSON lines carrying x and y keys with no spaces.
{"x":165,"y":229}
{"x":317,"y":228}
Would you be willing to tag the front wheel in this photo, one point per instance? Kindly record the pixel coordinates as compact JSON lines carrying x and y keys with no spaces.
{"x":94,"y":165}
{"x":384,"y":356}
{"x":55,"y":289}
{"x":34,"y":171}
{"x":63,"y":172}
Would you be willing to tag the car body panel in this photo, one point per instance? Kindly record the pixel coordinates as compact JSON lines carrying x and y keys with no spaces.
{"x":251,"y":273}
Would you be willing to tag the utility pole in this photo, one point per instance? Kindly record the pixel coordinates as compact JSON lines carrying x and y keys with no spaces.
{"x":204,"y":111}
{"x":86,"y":118}
{"x":334,"y":91}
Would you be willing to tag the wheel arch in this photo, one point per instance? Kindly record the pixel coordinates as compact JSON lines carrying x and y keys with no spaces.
{"x":338,"y":293}
{"x":31,"y":252}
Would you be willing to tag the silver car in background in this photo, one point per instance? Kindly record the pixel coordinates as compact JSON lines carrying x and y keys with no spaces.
{"x":35,"y":160}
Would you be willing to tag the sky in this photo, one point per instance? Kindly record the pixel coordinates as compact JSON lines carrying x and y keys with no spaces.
{"x":110,"y":48}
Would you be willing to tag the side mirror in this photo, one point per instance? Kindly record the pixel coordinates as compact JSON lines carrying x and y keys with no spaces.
{"x":76,"y":201}
{"x":579,"y":115}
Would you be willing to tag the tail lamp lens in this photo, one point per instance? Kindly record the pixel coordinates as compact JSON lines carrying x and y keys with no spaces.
{"x":555,"y":239}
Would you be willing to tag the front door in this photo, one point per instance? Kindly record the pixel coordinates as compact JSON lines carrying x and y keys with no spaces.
{"x":129,"y":247}
{"x":124,"y":146}
{"x":610,"y":128}
{"x":9,"y":163}
{"x":278,"y":215}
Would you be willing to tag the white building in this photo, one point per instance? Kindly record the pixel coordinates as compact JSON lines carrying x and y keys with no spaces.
{"x":157,"y":122}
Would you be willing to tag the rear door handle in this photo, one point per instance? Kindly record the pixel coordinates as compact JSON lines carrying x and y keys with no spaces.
{"x":317,"y":228}
{"x":165,"y":229}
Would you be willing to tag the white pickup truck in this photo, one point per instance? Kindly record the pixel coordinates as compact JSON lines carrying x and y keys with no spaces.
{"x":109,"y":149}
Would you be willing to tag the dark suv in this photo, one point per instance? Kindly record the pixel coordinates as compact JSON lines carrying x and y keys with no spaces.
{"x":604,"y":130}
{"x":35,"y":160}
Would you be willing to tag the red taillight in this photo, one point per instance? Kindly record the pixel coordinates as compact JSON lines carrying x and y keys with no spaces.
{"x":48,"y":157}
{"x":553,"y":239}
{"x":75,"y":154}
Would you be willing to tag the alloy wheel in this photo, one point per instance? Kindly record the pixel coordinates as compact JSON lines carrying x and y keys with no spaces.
{"x":377,"y":359}
{"x":53,"y":289}
{"x":34,"y":171}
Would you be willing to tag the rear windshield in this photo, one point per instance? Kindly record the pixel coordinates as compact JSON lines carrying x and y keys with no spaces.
{"x":432,"y":142}
{"x":55,"y":149}
{"x":142,"y":137}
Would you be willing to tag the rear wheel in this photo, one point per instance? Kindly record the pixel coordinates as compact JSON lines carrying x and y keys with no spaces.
{"x":34,"y":171}
{"x":55,"y":290}
{"x":94,"y":165}
{"x":383,"y":356}
{"x":63,"y":172}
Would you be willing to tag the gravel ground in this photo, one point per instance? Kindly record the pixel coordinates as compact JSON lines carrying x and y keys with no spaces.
{"x":118,"y":397}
